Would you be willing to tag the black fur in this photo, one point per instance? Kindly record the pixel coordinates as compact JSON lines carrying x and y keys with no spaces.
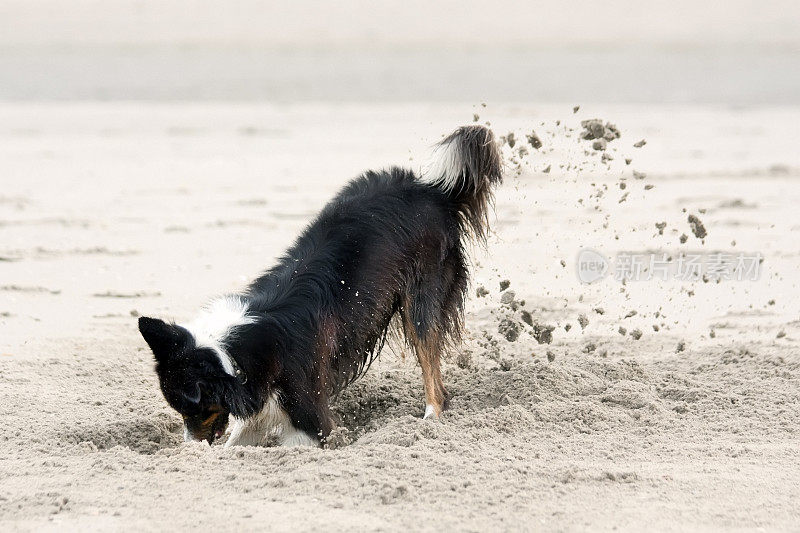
{"x":387,"y":245}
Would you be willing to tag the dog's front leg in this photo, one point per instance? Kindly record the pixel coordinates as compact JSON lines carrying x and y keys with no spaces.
{"x":245,"y":433}
{"x":291,"y":436}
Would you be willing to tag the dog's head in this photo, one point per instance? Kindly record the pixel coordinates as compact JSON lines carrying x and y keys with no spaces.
{"x":192,"y":378}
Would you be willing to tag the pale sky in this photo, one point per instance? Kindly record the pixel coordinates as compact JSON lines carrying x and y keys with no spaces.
{"x":400,"y":22}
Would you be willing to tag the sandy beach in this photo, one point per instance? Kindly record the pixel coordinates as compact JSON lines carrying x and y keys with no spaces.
{"x":660,"y":403}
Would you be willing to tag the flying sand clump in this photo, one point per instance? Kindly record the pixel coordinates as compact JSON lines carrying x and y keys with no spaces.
{"x":534,"y":140}
{"x":601,"y":134}
{"x":698,"y":228}
{"x":508,"y":329}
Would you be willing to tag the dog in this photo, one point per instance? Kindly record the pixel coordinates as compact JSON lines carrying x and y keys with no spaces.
{"x":391,"y":245}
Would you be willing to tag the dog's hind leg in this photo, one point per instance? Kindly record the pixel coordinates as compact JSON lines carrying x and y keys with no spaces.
{"x":432,"y":314}
{"x":427,"y":346}
{"x":428,"y":354}
{"x":422,"y":328}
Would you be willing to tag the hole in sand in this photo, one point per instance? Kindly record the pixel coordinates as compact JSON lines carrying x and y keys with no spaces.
{"x":374,"y":399}
{"x":141,"y":435}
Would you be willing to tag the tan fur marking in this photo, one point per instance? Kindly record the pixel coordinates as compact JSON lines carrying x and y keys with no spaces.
{"x":429,"y":355}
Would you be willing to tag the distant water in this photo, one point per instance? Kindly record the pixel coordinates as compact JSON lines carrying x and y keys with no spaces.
{"x":719,"y":75}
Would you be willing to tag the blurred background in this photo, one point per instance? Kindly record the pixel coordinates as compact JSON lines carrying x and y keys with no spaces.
{"x":739,"y":52}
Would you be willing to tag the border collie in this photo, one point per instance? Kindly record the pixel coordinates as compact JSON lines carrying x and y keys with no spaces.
{"x":390,"y":244}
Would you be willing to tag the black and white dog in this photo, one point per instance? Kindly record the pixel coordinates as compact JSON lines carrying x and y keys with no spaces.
{"x":391,"y":243}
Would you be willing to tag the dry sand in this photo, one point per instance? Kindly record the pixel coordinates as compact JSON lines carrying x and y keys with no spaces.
{"x":108,"y":211}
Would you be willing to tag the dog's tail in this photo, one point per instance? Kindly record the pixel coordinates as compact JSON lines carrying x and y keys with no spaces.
{"x":465,"y":166}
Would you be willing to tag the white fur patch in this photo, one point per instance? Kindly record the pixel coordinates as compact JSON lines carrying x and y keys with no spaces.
{"x":295,"y":437}
{"x":215,"y":324}
{"x":430,"y":412}
{"x":269,"y":423}
{"x":445,"y":167}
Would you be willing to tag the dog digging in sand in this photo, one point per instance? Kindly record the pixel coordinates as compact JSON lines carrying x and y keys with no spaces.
{"x":390,"y":244}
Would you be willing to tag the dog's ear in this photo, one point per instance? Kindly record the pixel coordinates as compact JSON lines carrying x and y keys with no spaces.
{"x":192,"y":393}
{"x":162,"y":338}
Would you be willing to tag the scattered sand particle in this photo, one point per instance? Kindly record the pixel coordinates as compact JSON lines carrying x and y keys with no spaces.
{"x":507,"y":297}
{"x":338,"y":438}
{"x":543,"y":333}
{"x":534,"y":140}
{"x":698,"y":228}
{"x":464,"y":359}
{"x":508,"y":329}
{"x":510,"y":139}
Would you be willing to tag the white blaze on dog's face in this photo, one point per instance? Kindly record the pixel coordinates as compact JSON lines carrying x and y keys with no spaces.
{"x":192,"y":378}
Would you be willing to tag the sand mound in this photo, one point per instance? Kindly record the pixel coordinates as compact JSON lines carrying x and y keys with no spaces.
{"x":482,"y":400}
{"x":142,"y":435}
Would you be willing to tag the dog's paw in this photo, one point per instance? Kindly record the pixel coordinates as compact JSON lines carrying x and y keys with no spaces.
{"x":430,"y":412}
